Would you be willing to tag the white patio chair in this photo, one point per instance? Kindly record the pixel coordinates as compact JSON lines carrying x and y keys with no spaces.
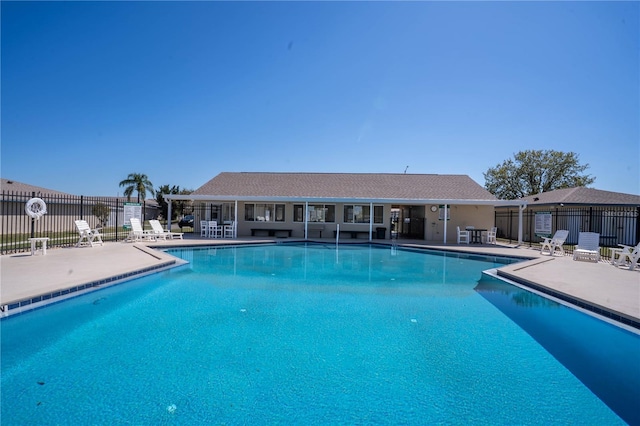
{"x":630,"y":255}
{"x":491,"y":235}
{"x":204,"y":228}
{"x":617,"y":253}
{"x":215,"y":230}
{"x":229,"y":230}
{"x":588,"y":247}
{"x":463,"y":236}
{"x":555,"y":243}
{"x":88,"y":237}
{"x":159,"y":232}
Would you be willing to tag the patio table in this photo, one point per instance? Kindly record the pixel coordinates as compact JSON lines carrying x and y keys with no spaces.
{"x":43,"y":243}
{"x":476,"y":235}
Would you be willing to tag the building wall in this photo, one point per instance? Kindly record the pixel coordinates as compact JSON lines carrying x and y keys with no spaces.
{"x":481,"y":217}
{"x":463,"y":216}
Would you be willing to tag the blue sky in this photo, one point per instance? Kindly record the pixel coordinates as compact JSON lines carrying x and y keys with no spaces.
{"x":181,"y":91}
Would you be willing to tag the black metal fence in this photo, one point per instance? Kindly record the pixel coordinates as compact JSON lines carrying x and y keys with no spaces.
{"x":16,"y":227}
{"x":615,"y":224}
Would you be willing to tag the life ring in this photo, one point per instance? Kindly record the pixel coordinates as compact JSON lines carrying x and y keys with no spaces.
{"x":36,"y":208}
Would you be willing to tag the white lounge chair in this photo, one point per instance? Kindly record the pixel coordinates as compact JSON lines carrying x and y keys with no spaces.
{"x":463,"y":236}
{"x":138,"y":233}
{"x":204,"y":228}
{"x":159,"y":232}
{"x":588,"y":247}
{"x":617,"y":253}
{"x":555,"y":243}
{"x":88,"y":237}
{"x":628,"y":255}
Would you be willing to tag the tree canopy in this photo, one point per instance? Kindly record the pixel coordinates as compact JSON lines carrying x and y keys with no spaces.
{"x":177,"y":207}
{"x":534,"y":171}
{"x":102,"y":212}
{"x":137,"y":182}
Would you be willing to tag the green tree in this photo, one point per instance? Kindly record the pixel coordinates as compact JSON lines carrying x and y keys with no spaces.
{"x":534,"y":171}
{"x":185,"y":206}
{"x":137,"y":182}
{"x":177,"y":207}
{"x":102,"y":212}
{"x":160,"y":193}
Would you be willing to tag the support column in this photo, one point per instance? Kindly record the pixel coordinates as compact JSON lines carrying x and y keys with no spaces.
{"x":168,"y":201}
{"x":520,"y":210}
{"x":446,"y":207}
{"x":370,"y":221}
{"x":306,"y":220}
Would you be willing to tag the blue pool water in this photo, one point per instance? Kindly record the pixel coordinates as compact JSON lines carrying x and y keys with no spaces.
{"x":301,"y":335}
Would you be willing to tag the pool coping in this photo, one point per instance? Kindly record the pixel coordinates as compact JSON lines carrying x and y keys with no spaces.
{"x":604,"y":313}
{"x":163,"y":261}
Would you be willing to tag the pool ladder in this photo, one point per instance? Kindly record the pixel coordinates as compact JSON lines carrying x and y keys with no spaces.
{"x":394,"y":245}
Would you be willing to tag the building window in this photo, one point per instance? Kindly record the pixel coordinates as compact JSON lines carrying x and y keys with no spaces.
{"x":317,"y":213}
{"x":378,"y":214}
{"x":248,"y":212}
{"x":279,"y":212}
{"x":357,"y":213}
{"x":298,"y":213}
{"x":264,"y":212}
{"x":322,"y":213}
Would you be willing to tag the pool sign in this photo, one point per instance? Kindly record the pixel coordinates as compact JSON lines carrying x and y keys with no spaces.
{"x":543,"y":224}
{"x":132,"y":210}
{"x":441,"y":213}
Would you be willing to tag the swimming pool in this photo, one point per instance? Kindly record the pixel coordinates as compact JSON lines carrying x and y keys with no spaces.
{"x":301,"y":334}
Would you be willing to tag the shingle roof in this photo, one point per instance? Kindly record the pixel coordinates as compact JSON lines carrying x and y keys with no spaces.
{"x":345,"y":185}
{"x":12,"y":185}
{"x":582,"y":195}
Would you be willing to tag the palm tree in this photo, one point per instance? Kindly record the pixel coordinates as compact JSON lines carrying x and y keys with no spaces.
{"x":137,"y":182}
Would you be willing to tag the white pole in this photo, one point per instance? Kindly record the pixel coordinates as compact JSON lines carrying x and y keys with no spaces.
{"x":446,"y":206}
{"x":337,"y":238}
{"x":168,"y":215}
{"x":520,"y":210}
{"x":306,"y":220}
{"x":370,"y":221}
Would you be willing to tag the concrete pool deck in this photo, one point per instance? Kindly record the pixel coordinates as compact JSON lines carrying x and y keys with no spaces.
{"x":24,"y":279}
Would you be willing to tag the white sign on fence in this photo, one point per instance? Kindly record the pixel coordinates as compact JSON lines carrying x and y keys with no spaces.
{"x":132,"y":210}
{"x":543,"y":224}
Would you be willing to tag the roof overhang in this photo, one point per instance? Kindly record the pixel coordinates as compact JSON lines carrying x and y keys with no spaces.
{"x":244,"y":198}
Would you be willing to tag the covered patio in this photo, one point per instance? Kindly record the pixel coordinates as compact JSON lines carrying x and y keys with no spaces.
{"x":348,"y":206}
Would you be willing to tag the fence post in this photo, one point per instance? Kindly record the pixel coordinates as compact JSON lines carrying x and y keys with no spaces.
{"x":82,"y":207}
{"x":637,"y":225}
{"x":117,"y":215}
{"x":33,"y":221}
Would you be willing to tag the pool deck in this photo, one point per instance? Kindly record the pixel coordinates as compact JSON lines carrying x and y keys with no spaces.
{"x":613,"y":292}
